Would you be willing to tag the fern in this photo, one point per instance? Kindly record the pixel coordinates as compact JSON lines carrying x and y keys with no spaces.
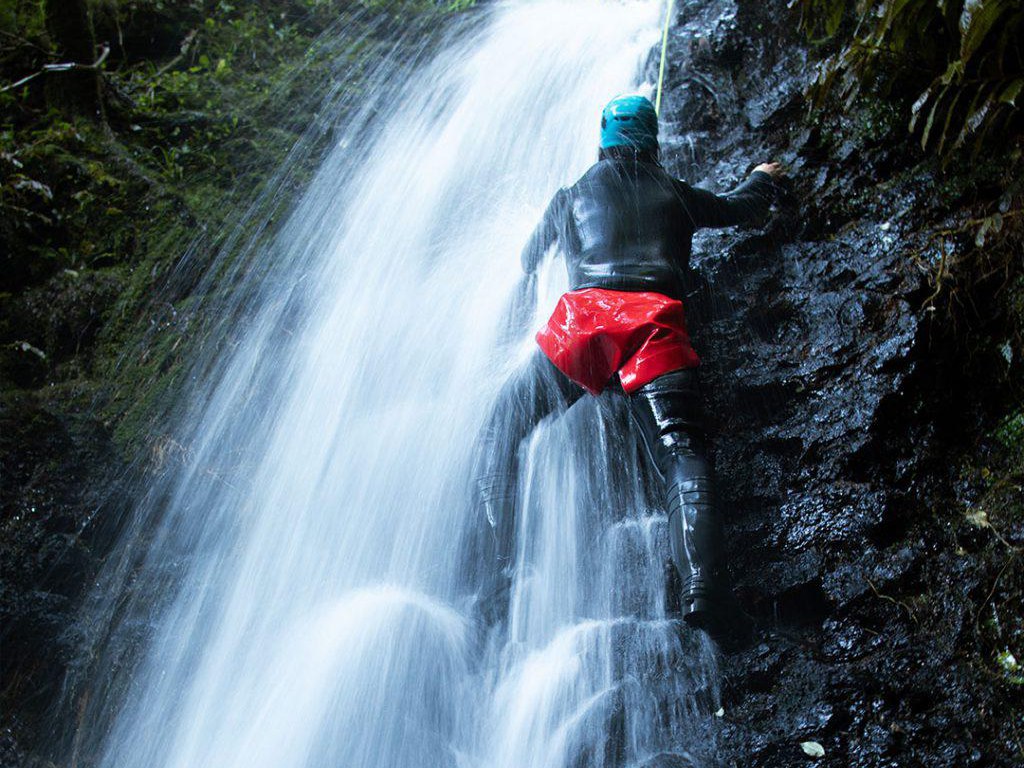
{"x":963,"y":58}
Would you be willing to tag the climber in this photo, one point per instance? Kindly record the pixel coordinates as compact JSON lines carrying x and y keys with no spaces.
{"x":625,"y":231}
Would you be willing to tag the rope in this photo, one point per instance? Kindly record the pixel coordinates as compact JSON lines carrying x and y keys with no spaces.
{"x":664,"y":50}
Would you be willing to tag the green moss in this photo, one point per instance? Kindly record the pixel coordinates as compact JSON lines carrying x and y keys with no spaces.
{"x":1010,"y":432}
{"x":205,"y":100}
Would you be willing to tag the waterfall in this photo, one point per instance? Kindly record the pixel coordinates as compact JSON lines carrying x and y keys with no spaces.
{"x":303,"y":604}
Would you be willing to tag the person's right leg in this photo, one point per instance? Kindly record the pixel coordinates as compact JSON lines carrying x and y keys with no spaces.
{"x":534,"y":392}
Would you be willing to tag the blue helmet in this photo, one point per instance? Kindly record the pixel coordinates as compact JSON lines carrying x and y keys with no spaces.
{"x":629,"y":121}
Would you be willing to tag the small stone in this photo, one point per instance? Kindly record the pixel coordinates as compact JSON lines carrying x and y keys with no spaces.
{"x":812,"y":749}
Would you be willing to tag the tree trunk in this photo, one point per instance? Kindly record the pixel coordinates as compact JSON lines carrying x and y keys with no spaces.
{"x":75,"y":92}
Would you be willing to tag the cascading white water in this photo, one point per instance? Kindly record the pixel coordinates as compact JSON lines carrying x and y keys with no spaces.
{"x":318,"y":620}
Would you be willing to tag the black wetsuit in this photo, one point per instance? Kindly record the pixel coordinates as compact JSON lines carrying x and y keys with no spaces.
{"x":627,"y":225}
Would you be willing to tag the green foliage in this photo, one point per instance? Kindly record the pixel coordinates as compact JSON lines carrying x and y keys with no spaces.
{"x":821,"y":19}
{"x":21,"y":18}
{"x":195,"y":121}
{"x":961,"y":60}
{"x":204,"y":98}
{"x":1008,"y":663}
{"x":1010,"y":432}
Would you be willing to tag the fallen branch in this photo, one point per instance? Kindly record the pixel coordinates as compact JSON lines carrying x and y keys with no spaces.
{"x":68,"y":66}
{"x":185,"y":45}
{"x":894,"y":601}
{"x":943,"y":272}
{"x":995,"y":583}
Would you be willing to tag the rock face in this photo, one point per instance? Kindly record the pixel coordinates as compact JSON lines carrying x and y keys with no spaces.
{"x":50,"y":535}
{"x":845,"y":413}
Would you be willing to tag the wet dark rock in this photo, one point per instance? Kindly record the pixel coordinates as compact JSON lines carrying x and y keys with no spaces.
{"x":11,"y":755}
{"x":843,"y":413}
{"x":48,"y":548}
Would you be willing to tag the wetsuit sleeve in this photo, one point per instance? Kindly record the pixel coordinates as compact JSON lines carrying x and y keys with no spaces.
{"x":545,"y":234}
{"x":745,"y":204}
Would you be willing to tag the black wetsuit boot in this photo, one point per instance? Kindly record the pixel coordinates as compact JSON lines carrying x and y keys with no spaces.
{"x":668,"y":411}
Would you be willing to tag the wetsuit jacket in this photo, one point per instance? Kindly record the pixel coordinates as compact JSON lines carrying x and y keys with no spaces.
{"x":627,"y":225}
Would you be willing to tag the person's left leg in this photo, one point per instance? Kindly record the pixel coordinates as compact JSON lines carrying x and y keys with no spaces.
{"x":669,"y":414}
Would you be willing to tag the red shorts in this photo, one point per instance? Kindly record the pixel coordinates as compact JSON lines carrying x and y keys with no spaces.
{"x":595,"y":333}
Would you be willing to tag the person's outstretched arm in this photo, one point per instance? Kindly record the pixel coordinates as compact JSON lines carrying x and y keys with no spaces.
{"x":745,"y":204}
{"x":544,"y":235}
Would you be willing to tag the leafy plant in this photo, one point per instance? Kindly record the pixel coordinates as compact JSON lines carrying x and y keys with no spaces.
{"x":961,"y":59}
{"x":1010,"y":433}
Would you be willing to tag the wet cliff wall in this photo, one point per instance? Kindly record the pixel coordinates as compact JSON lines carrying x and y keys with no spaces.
{"x":863,"y":357}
